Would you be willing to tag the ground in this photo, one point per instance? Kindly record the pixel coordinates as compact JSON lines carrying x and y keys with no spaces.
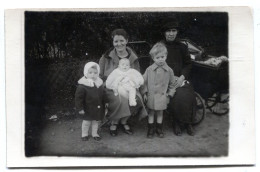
{"x":63,"y":138}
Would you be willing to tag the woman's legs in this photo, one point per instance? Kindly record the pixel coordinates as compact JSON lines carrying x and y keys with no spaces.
{"x":126,"y":127}
{"x":181,"y":108}
{"x":114,"y":124}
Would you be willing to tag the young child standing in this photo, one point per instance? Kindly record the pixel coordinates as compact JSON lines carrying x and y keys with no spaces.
{"x":89,"y":100}
{"x":158,"y":88}
{"x":125,"y":80}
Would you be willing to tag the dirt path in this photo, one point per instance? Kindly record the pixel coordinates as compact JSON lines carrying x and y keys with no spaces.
{"x":62,"y":137}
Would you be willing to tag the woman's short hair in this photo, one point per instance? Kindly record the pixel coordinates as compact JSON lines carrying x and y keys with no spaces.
{"x":159,"y":47}
{"x":121,"y":32}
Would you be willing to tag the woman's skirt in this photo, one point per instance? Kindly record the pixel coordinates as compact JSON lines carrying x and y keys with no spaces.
{"x":183,"y":103}
{"x":118,"y":106}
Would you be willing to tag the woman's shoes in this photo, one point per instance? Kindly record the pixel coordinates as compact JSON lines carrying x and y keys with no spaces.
{"x":177,"y":129}
{"x":127,"y":129}
{"x":113,"y":130}
{"x":190,"y":130}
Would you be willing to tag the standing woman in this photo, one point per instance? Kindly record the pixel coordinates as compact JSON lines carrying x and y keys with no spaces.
{"x":118,"y":106}
{"x":178,"y":58}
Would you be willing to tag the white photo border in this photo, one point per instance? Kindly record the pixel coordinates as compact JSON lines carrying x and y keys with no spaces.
{"x":242,"y":123}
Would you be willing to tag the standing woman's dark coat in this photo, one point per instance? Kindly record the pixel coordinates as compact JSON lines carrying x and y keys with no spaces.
{"x":179,"y":58}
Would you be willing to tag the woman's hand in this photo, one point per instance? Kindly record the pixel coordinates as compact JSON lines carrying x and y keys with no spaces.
{"x":145,"y":97}
{"x":81,"y":112}
{"x":179,"y":81}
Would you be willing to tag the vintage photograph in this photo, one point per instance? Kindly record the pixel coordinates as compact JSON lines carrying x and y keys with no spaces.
{"x":126,"y":83}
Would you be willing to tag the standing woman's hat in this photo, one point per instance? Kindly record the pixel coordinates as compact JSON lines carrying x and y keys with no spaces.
{"x":170,"y":25}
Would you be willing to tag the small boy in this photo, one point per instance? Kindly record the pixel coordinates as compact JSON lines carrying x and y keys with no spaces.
{"x":125,"y":80}
{"x":89,"y":99}
{"x":158,"y":88}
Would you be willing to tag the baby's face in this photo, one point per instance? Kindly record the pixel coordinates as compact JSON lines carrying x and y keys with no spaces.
{"x":124,"y":66}
{"x":92,"y":74}
{"x":160,"y":58}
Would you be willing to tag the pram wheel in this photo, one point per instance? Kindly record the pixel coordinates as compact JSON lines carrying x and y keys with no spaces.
{"x":218,"y":104}
{"x":199,"y":110}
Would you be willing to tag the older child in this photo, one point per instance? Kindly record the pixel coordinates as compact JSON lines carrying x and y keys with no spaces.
{"x":125,"y":81}
{"x":158,"y":88}
{"x":89,"y":100}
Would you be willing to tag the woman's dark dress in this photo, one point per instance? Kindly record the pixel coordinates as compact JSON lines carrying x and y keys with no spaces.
{"x":183,"y":102}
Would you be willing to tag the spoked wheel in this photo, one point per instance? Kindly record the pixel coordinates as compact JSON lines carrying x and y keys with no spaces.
{"x":218,"y":104}
{"x":199,"y":110}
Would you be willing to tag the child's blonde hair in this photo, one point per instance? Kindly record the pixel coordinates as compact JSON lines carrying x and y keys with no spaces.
{"x":159,"y":47}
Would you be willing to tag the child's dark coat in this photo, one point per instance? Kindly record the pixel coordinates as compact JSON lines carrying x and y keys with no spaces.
{"x":91,"y":100}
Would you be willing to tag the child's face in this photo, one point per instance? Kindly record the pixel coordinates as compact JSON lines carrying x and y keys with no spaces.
{"x":124,"y":66}
{"x":160,"y":58}
{"x":92,"y":74}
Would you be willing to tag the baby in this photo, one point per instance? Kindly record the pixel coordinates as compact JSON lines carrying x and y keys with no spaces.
{"x":124,"y":81}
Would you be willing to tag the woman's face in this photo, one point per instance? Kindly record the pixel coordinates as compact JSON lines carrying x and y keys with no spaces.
{"x":119,"y":42}
{"x":171,"y":34}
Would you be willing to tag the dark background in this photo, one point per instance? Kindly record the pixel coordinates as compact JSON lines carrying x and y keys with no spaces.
{"x":58,"y":44}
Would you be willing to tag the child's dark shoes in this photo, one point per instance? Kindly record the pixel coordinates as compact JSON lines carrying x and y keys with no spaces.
{"x":97,"y":138}
{"x":159,"y":131}
{"x":85,"y":138}
{"x":150,"y":132}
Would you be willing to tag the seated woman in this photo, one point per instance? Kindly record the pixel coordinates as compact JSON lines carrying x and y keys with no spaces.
{"x":178,"y":58}
{"x":118,"y":106}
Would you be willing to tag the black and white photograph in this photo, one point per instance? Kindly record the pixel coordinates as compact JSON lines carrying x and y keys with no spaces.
{"x":82,"y":100}
{"x":127,"y":86}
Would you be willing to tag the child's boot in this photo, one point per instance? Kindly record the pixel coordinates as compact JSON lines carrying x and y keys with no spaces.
{"x":150,"y":132}
{"x":159,"y":130}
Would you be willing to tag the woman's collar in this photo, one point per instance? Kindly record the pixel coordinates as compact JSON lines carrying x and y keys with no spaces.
{"x":132,"y":55}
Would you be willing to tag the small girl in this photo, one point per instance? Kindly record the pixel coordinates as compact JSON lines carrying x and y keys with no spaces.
{"x":125,"y":80}
{"x":158,"y":88}
{"x":89,"y":99}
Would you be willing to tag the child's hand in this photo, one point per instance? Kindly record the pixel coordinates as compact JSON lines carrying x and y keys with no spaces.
{"x":82,"y":112}
{"x":180,"y":81}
